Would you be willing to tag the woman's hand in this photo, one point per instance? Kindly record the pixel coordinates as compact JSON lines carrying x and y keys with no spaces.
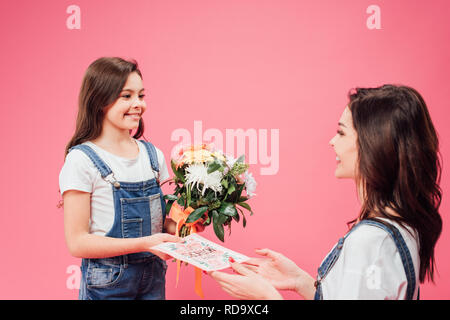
{"x":282,"y":272}
{"x":156,"y":239}
{"x":246,"y":285}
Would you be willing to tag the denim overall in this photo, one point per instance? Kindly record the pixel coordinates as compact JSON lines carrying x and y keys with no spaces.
{"x":139,"y":211}
{"x":405,"y":255}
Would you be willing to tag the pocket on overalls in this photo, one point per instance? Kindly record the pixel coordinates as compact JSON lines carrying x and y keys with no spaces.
{"x":156,"y":213}
{"x":141,"y":216}
{"x":101,"y":275}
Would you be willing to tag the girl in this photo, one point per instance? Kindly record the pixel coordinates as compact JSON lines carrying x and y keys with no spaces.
{"x":114,"y":210}
{"x":386,"y":142}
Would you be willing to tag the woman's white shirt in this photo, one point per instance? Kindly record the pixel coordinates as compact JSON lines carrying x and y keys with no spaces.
{"x":369,"y":266}
{"x":79,"y":173}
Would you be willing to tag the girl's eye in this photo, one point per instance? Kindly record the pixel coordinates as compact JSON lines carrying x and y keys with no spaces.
{"x":128,"y":96}
{"x":340,"y":132}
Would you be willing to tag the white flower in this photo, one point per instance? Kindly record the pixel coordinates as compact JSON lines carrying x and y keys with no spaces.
{"x":197,"y":174}
{"x":250,"y":184}
{"x":214,"y":182}
{"x":230,"y":163}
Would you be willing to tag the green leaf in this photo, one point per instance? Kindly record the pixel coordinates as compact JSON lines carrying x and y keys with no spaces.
{"x":213,"y":167}
{"x":178,"y":173}
{"x":177,"y":190}
{"x":223,"y":218}
{"x":246,"y":206}
{"x":210,"y":195}
{"x":228,"y":209}
{"x":236,"y":217}
{"x":170,"y":197}
{"x":225,"y":183}
{"x":181,"y":200}
{"x":231,"y":189}
{"x":168,"y":207}
{"x":236,"y":195}
{"x":241,"y":158}
{"x":207,"y":221}
{"x":188,"y":195}
{"x":196,"y":214}
{"x":218,"y":226}
{"x":244,"y":221}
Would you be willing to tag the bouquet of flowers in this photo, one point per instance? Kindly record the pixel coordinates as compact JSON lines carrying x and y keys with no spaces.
{"x":209,"y":189}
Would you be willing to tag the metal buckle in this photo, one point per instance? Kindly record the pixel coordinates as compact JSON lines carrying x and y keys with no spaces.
{"x":317,"y":282}
{"x":112,"y":181}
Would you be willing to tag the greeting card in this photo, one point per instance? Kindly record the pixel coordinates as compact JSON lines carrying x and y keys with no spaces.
{"x":201,"y":252}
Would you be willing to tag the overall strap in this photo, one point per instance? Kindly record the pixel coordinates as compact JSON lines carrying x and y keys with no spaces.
{"x":402,"y":248}
{"x":330,"y":259}
{"x":98,"y":162}
{"x":151,"y":154}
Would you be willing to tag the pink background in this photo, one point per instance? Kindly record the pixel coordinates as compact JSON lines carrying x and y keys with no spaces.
{"x":232,"y":64}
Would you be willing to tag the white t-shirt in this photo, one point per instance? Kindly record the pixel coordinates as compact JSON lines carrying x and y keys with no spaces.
{"x":370,"y":268}
{"x":80,"y":173}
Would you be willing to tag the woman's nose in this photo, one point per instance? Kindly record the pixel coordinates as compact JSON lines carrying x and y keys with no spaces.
{"x":331,"y":142}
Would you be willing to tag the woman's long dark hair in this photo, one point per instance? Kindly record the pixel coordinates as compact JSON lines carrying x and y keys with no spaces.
{"x":102,"y":83}
{"x":399,"y":164}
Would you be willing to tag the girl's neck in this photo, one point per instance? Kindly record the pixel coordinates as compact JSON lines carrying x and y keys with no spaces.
{"x":113,"y":139}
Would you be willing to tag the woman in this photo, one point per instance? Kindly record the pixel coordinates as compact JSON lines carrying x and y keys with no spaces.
{"x":387,"y":144}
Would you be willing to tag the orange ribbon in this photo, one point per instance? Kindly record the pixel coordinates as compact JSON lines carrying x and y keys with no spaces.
{"x":179,"y":215}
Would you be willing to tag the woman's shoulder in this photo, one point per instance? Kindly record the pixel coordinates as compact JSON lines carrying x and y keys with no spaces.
{"x":366,"y":235}
{"x":376,"y":240}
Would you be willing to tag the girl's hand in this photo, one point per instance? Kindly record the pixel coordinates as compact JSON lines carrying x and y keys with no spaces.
{"x":280,"y":271}
{"x":170,"y":226}
{"x":246,"y":285}
{"x":156,"y":239}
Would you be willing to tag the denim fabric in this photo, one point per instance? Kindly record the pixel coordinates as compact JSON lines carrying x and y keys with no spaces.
{"x":139,"y":211}
{"x":111,"y":278}
{"x":405,"y":256}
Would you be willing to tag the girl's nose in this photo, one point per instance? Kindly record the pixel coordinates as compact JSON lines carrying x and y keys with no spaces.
{"x":138,"y":103}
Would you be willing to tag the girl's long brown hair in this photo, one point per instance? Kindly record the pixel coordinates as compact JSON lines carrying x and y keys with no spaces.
{"x":101,"y":86}
{"x":102,"y":83}
{"x":399,"y":163}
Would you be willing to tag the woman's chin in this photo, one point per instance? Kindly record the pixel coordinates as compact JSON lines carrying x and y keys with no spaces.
{"x":341,"y":175}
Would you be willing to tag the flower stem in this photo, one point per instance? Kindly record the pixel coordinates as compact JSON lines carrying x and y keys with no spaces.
{"x":171,"y":179}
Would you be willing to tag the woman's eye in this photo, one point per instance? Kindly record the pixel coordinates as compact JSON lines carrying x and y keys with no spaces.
{"x":340,"y":132}
{"x":126,"y":96}
{"x":141,"y":96}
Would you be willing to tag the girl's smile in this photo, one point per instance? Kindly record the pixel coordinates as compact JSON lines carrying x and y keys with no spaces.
{"x":126,"y":112}
{"x":133,"y":116}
